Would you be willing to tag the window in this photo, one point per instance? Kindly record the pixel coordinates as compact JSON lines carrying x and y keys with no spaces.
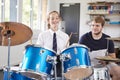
{"x":27,"y":12}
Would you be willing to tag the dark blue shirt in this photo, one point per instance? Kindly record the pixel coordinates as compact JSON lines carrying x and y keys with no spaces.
{"x":100,"y":44}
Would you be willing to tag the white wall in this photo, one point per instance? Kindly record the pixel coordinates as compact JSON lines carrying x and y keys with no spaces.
{"x":16,"y":54}
{"x":113,"y":31}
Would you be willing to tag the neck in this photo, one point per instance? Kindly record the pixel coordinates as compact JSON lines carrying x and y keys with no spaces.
{"x":96,"y":36}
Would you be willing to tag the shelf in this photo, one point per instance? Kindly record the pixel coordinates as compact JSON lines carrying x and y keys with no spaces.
{"x":103,"y":3}
{"x":93,"y":13}
{"x":107,"y":24}
{"x":104,"y":8}
{"x":109,"y":10}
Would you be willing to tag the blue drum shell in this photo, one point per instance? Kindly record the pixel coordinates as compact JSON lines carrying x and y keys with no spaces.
{"x":79,"y":57}
{"x":35,"y":60}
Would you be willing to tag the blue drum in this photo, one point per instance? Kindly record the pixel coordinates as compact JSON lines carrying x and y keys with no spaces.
{"x":76,"y":62}
{"x":14,"y":75}
{"x":36,"y":61}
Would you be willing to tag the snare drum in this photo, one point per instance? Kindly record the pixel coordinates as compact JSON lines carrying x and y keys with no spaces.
{"x":35,"y":64}
{"x":14,"y":74}
{"x":100,"y":73}
{"x":76,"y":62}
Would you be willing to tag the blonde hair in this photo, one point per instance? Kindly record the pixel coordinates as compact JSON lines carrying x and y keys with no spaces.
{"x":49,"y":17}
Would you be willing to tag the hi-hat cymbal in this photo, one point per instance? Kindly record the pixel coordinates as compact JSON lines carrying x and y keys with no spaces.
{"x":18,"y":33}
{"x":108,"y":58}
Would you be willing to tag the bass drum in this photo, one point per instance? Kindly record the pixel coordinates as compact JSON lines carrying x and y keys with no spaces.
{"x":35,"y":63}
{"x":76,"y":62}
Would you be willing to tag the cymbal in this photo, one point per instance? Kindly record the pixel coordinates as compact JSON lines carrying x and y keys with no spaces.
{"x":114,"y":39}
{"x":18,"y":33}
{"x":108,"y":58}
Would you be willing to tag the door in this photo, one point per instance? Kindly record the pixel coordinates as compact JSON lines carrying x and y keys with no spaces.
{"x":70,"y":14}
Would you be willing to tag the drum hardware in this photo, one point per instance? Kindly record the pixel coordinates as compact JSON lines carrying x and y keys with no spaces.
{"x":75,"y":50}
{"x":65,"y":57}
{"x":42,"y":51}
{"x":51,"y":59}
{"x":10,"y":32}
{"x":54,"y":64}
{"x":77,"y":62}
{"x":100,"y":73}
{"x":62,"y":65}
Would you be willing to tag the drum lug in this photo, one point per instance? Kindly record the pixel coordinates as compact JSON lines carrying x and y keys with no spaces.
{"x":77,"y":62}
{"x":51,"y":59}
{"x":65,"y":57}
{"x":75,"y":50}
{"x":42,"y":51}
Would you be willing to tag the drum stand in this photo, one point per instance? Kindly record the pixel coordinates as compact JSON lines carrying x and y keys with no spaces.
{"x":8,"y":34}
{"x":52,"y":60}
{"x":64,"y":57}
{"x":8,"y":68}
{"x":62,"y":69}
{"x":54,"y":64}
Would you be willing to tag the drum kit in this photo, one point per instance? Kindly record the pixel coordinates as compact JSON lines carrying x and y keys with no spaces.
{"x":38,"y":62}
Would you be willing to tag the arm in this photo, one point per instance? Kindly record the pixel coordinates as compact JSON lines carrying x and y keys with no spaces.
{"x":114,"y":70}
{"x":113,"y":55}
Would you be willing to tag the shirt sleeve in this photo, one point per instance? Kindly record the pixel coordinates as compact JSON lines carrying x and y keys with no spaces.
{"x":40,"y":40}
{"x":82,"y":40}
{"x":111,"y":47}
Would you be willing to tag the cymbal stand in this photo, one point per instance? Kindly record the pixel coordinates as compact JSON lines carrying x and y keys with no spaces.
{"x":8,"y":34}
{"x":106,"y":54}
{"x":8,"y":68}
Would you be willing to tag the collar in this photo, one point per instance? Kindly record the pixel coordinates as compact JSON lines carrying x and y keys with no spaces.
{"x":52,"y":32}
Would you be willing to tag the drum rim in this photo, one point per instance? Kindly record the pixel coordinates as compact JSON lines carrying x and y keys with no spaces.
{"x":87,"y":67}
{"x":77,"y":45}
{"x":32,"y":71}
{"x":13,"y":68}
{"x":46,"y":48}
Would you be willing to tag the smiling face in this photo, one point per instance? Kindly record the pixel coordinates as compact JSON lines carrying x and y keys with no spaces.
{"x":53,"y":21}
{"x":97,"y":25}
{"x":96,"y":28}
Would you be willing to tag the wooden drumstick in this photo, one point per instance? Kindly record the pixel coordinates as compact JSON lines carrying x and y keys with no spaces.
{"x":31,"y":41}
{"x":69,"y":39}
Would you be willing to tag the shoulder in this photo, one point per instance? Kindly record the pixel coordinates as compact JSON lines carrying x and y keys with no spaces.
{"x":44,"y":32}
{"x":105,"y":35}
{"x":63,"y":33}
{"x":86,"y":35}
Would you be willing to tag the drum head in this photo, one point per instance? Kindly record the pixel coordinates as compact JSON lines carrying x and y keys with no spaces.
{"x":78,"y":73}
{"x":32,"y":74}
{"x":13,"y":69}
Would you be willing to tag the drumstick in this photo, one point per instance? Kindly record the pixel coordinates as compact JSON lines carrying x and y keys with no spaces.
{"x":69,"y":39}
{"x":31,"y":41}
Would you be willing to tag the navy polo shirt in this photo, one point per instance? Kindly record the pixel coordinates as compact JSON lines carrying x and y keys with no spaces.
{"x":100,"y":44}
